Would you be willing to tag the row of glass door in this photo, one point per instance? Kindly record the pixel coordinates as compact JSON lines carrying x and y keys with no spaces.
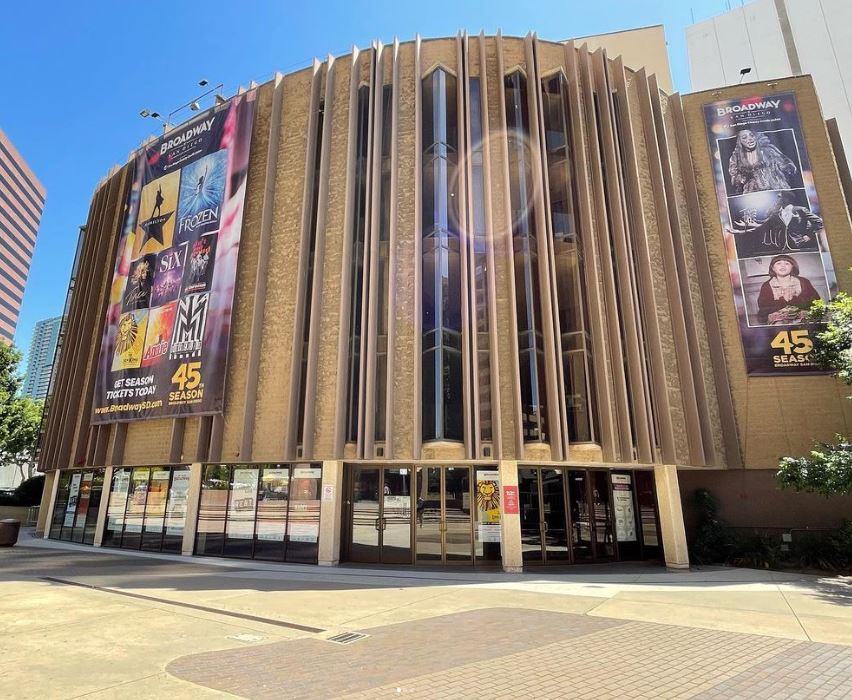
{"x":427,"y":515}
{"x":451,"y":515}
{"x":585,"y":515}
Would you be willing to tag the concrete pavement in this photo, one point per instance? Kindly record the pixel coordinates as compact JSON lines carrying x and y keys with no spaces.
{"x":75,"y":621}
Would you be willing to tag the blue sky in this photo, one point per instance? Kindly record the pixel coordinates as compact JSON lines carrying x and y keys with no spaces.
{"x":75,"y":75}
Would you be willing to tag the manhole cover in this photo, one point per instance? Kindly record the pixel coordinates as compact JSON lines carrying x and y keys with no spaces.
{"x":346,"y":637}
{"x":245,"y":637}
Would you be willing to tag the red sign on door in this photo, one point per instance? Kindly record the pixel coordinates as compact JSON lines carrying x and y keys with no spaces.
{"x":510,"y":500}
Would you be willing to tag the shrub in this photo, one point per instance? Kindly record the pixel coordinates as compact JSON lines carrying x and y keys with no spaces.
{"x":755,"y":550}
{"x":712,"y":541}
{"x":816,"y":551}
{"x":29,"y":491}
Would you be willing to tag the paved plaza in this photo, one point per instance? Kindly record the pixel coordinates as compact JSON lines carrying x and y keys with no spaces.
{"x":78,"y":622}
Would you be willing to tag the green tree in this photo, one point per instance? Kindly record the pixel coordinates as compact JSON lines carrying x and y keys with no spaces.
{"x":20,"y":417}
{"x":828,"y":469}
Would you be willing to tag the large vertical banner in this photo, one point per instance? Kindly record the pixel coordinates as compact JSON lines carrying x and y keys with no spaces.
{"x":165,"y":340}
{"x":775,"y":241}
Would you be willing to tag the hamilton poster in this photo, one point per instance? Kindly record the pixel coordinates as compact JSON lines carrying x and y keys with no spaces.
{"x":775,"y":240}
{"x":165,"y":340}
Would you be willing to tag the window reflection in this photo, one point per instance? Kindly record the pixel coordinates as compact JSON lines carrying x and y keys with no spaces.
{"x":480,"y":262}
{"x":356,"y":290}
{"x":525,"y":247}
{"x":441,"y":263}
{"x":260,"y":511}
{"x":568,"y":251}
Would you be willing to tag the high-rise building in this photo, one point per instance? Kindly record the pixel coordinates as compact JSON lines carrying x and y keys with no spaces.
{"x":21,"y":205}
{"x":777,"y":39}
{"x":40,"y":361}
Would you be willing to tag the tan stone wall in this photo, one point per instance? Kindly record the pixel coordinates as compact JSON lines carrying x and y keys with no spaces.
{"x":337,"y":229}
{"x":775,"y":416}
{"x":280,"y":338}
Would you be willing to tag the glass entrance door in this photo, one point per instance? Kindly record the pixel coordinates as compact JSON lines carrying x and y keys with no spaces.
{"x":544,"y":524}
{"x":443,"y":525}
{"x":380,"y":515}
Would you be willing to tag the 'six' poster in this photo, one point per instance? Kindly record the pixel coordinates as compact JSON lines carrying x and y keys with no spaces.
{"x":165,"y":339}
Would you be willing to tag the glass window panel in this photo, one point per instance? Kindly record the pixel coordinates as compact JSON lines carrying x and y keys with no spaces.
{"x":272,"y":500}
{"x":576,"y":397}
{"x":430,"y":398}
{"x":581,"y":515}
{"x":134,"y":516}
{"x":82,"y":509}
{"x":453,"y":381}
{"x":60,"y":504}
{"x":175,"y":515}
{"x":601,"y":503}
{"x":155,"y":509}
{"x":303,"y":518}
{"x":531,"y":517}
{"x":212,"y":509}
{"x":242,"y":502}
{"x":428,"y":525}
{"x":441,"y":264}
{"x":116,"y":507}
{"x":94,"y":506}
{"x":648,"y":513}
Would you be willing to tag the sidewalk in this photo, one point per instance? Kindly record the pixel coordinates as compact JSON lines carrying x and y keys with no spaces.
{"x":77,"y":620}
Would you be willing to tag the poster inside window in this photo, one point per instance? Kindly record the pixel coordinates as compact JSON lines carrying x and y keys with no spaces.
{"x":775,"y":239}
{"x":165,"y":338}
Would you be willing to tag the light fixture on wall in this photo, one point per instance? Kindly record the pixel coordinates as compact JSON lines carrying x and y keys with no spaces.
{"x":743,"y":73}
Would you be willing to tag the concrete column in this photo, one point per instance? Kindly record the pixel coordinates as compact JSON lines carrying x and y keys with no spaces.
{"x":331,"y":508}
{"x":510,"y":525}
{"x":104,"y":507}
{"x":671,"y":516}
{"x":45,"y":510}
{"x":48,"y":498}
{"x":193,"y":498}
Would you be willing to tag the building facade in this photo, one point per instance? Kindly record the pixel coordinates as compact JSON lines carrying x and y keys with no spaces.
{"x":778,"y":39}
{"x":21,"y":205}
{"x":40,"y":360}
{"x":480,"y":316}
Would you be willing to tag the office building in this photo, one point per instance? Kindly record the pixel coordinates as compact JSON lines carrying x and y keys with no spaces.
{"x":41,"y":357}
{"x":777,"y":39}
{"x":21,"y":205}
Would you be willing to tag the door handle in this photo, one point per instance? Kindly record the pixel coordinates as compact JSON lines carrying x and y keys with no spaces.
{"x":377,"y":524}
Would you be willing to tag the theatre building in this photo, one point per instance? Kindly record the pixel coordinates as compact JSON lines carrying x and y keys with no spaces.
{"x":472,"y":301}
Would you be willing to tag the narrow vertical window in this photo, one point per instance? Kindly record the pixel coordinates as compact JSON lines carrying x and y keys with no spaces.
{"x":480,"y":263}
{"x":568,"y":250}
{"x":312,"y":242}
{"x":356,"y":290}
{"x":441,"y":264}
{"x":383,"y":270}
{"x":525,"y":248}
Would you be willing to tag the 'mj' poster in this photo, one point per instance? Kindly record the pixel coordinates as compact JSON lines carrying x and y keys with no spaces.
{"x":165,"y":340}
{"x":775,"y":240}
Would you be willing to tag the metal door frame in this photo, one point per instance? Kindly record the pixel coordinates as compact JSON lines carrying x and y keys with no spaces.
{"x":542,"y":525}
{"x":442,"y":527}
{"x":349,"y":486}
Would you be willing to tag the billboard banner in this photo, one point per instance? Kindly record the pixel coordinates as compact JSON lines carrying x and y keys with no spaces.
{"x":775,"y":241}
{"x":165,"y":340}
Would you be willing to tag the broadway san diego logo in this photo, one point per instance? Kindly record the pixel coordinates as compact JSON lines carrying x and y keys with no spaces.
{"x":188,"y":335}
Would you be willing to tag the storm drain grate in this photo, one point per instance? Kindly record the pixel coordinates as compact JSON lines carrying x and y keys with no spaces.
{"x":347,"y":637}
